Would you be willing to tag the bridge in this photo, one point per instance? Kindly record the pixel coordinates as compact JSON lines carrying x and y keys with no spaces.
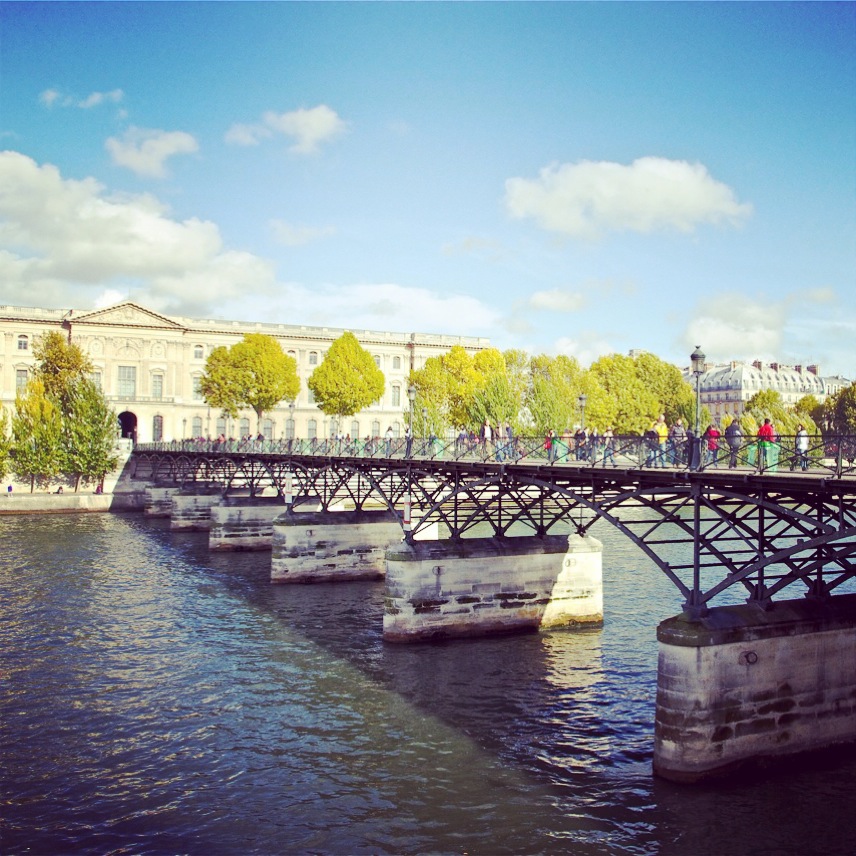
{"x":759,"y":542}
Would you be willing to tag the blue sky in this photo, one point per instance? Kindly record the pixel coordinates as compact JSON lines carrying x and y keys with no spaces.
{"x":579,"y":178}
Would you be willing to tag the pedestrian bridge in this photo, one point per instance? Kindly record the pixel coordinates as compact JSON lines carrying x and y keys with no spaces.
{"x":759,"y":542}
{"x":776,"y":523}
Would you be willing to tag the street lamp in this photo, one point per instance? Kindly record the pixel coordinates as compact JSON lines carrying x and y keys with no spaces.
{"x":582,"y":400}
{"x":697,"y":358}
{"x":411,"y":394}
{"x":291,"y":431}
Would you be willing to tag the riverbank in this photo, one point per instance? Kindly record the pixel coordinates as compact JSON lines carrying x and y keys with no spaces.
{"x":71,"y":503}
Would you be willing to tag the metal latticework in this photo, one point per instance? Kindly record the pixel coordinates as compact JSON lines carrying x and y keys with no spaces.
{"x":708,"y":531}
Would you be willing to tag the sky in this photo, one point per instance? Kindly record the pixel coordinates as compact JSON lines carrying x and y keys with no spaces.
{"x":563,"y":178}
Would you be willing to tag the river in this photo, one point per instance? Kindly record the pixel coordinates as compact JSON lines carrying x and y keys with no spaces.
{"x":158,"y":699}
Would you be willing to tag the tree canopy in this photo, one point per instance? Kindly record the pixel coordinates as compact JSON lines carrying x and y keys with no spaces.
{"x":36,"y":434}
{"x":348,"y":380}
{"x":254,"y":373}
{"x":60,"y":365}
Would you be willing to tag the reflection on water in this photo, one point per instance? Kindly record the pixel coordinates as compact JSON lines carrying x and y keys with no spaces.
{"x":159,"y":699}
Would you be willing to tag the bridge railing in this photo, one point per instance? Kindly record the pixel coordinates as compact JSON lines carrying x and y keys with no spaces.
{"x":832,"y":454}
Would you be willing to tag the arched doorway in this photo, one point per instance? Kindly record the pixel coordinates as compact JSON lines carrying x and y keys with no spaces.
{"x":128,"y":425}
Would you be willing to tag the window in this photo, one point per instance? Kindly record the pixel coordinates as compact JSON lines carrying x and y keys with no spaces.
{"x":396,"y":430}
{"x":157,"y":387}
{"x":289,"y":429}
{"x":127,"y":381}
{"x":23,"y":343}
{"x":157,"y":429}
{"x":221,"y":426}
{"x":312,"y":429}
{"x":198,"y":352}
{"x":376,"y":359}
{"x":21,"y":378}
{"x":355,"y":430}
{"x":396,"y":396}
{"x":197,"y":426}
{"x":310,"y":396}
{"x":396,"y":362}
{"x":244,"y":426}
{"x":197,"y":388}
{"x":375,"y":428}
{"x":95,"y":377}
{"x":313,"y":358}
{"x":267,"y":429}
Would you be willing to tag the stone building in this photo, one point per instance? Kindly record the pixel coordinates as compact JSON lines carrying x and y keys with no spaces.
{"x":725,"y":389}
{"x":149,"y":366}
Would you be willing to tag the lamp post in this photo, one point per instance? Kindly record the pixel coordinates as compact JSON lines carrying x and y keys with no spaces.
{"x":697,"y":358}
{"x":291,"y":432}
{"x":184,"y":428}
{"x":582,"y":400}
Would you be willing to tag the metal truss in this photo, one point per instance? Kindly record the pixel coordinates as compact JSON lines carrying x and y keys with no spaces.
{"x":708,"y":531}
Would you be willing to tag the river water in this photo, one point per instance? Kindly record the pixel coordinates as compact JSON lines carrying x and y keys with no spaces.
{"x":159,"y":699}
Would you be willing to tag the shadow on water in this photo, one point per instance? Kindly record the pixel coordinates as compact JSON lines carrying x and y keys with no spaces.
{"x":575,"y":711}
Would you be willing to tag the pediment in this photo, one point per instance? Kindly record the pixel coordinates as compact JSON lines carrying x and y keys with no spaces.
{"x":126,"y":315}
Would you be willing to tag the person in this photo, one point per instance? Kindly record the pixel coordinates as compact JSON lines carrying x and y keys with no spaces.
{"x":550,"y":445}
{"x":801,"y":447}
{"x":712,"y":436}
{"x":9,"y":491}
{"x":766,"y":437}
{"x":408,"y":438}
{"x":677,"y":444}
{"x":734,"y":438}
{"x":662,"y":431}
{"x":608,"y":439}
{"x":389,"y":441}
{"x":580,"y":438}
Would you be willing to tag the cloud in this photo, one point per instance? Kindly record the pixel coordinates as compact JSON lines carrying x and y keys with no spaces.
{"x":588,"y":199}
{"x":474,"y":246}
{"x":145,"y":151}
{"x":557,"y":300}
{"x":308,"y":128}
{"x":732,"y":326}
{"x":586,"y":348}
{"x":66,"y":242}
{"x":290,"y":235}
{"x":54,"y":98}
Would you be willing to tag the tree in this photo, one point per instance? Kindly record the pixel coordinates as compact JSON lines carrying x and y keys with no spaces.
{"x":840,"y":410}
{"x":348,"y":380}
{"x":629,"y":405}
{"x":675,"y":396}
{"x":36,"y":435}
{"x":89,"y":436}
{"x":554,"y":390}
{"x":5,"y":442}
{"x":254,"y":372}
{"x":60,"y":365}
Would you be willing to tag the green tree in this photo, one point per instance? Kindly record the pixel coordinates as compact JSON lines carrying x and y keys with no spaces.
{"x":675,"y":396}
{"x":36,"y":436}
{"x":89,"y":435}
{"x":810,"y":407}
{"x":254,"y":372}
{"x":840,"y":410}
{"x":629,"y":405}
{"x":348,"y":380}
{"x":5,"y":442}
{"x":553,"y":394}
{"x":60,"y":366}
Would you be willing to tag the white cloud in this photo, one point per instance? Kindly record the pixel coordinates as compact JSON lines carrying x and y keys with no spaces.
{"x":588,"y":199}
{"x":49,"y":97}
{"x":474,"y":246}
{"x":736,"y":327}
{"x":557,"y":300}
{"x":308,"y":128}
{"x":291,"y":235}
{"x":145,"y":151}
{"x":96,"y":98}
{"x":587,"y":347}
{"x":65,"y":242}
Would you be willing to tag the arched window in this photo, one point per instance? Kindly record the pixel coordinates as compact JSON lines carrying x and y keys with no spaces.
{"x":198,"y":352}
{"x":23,"y":343}
{"x":157,"y":429}
{"x":313,"y":358}
{"x":221,"y":426}
{"x":375,"y":428}
{"x":396,"y":362}
{"x":312,"y":429}
{"x":267,"y":429}
{"x":396,"y":429}
{"x":355,"y":429}
{"x":244,"y":426}
{"x":197,"y":426}
{"x":289,"y":429}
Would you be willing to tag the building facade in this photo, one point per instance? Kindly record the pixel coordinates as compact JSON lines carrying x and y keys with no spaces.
{"x":149,"y":367}
{"x":725,"y":389}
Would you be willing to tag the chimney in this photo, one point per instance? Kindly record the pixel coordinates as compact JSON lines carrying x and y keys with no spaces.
{"x":815,"y":370}
{"x":758,"y":365}
{"x":774,"y":366}
{"x":798,"y":369}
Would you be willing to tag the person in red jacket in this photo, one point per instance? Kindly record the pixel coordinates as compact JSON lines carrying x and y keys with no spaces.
{"x":766,"y":438}
{"x":712,"y":436}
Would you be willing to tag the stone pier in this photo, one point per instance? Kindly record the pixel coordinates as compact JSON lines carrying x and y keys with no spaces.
{"x":743,"y":686}
{"x":484,"y":586}
{"x":244,"y":523}
{"x":158,"y":501}
{"x":191,"y":508}
{"x":332,"y":545}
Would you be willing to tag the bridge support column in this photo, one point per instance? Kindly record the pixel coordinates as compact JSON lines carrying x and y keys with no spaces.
{"x":158,"y":500}
{"x":333,"y":545}
{"x":191,"y":509}
{"x":743,"y":686}
{"x":484,"y":586}
{"x":244,"y":523}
